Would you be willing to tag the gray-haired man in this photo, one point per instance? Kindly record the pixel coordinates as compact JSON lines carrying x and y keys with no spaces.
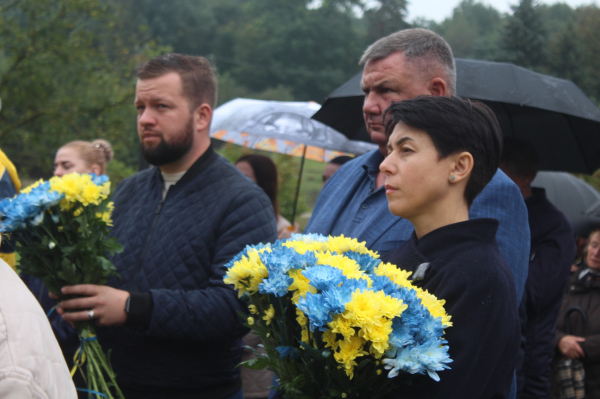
{"x":404,"y":65}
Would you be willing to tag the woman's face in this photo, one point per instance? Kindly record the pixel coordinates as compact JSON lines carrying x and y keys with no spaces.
{"x":416,"y":179}
{"x":68,"y":161}
{"x":593,"y":252}
{"x":246,"y":169}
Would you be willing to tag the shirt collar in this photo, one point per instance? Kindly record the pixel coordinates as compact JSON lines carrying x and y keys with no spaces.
{"x":371,"y":163}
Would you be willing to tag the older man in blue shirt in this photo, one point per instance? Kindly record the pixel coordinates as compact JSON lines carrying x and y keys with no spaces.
{"x":404,"y":65}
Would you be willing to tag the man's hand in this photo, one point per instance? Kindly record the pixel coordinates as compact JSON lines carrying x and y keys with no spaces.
{"x":570,"y":348}
{"x":107,"y":303}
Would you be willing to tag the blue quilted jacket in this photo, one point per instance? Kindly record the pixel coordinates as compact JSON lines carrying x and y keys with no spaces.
{"x":175,"y":250}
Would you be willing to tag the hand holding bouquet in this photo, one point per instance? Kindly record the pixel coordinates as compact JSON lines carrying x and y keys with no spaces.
{"x":333,"y":317}
{"x":61,"y":229}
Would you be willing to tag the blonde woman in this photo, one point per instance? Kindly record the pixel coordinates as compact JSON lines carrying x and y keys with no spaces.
{"x":83,"y":157}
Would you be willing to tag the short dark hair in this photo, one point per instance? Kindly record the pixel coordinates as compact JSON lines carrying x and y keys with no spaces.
{"x":342,"y":159}
{"x":265,"y":172}
{"x":520,"y":157}
{"x":454,"y":125}
{"x":198,"y":78}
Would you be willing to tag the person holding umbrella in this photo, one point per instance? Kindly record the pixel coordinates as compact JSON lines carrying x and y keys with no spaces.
{"x":552,"y":252}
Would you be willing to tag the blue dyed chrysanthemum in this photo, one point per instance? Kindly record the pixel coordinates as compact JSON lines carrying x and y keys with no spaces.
{"x":365,"y":261}
{"x":431,"y":356}
{"x":27,"y":207}
{"x":277,"y":283}
{"x":322,"y":277}
{"x":285,"y":259}
{"x":313,"y":307}
{"x":244,"y":252}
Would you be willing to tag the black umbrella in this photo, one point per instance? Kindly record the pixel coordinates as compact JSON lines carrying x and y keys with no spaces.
{"x":554,"y":114}
{"x":573,"y":197}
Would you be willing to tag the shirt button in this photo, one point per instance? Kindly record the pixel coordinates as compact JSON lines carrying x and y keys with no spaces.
{"x":365,"y":206}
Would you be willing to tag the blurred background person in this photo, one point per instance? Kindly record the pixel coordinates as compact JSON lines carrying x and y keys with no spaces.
{"x":31,"y":365}
{"x":333,"y":166}
{"x":74,"y":157}
{"x":83,"y":157}
{"x":578,"y":329}
{"x":552,"y":253}
{"x":262,"y":171}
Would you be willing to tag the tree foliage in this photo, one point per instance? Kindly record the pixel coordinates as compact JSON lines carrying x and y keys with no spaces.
{"x":524,"y":37}
{"x":63,"y":76}
{"x":67,"y":67}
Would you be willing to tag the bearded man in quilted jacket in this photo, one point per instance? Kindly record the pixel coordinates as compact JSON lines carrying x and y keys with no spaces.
{"x":170,"y":321}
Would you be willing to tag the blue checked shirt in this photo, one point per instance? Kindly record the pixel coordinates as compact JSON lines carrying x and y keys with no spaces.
{"x":351,"y":205}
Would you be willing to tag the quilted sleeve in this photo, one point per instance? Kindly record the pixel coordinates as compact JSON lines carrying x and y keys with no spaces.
{"x":210,"y":314}
{"x":502,"y":200}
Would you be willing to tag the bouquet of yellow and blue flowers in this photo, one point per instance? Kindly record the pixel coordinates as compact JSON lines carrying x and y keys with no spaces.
{"x":333,"y":317}
{"x":61,"y":229}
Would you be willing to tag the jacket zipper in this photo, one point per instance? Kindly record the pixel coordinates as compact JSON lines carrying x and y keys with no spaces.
{"x":140,"y":265}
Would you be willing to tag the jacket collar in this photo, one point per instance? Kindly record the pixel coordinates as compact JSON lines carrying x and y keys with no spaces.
{"x":441,"y":242}
{"x":198,"y":167}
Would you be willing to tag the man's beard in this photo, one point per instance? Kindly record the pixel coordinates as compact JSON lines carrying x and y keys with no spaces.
{"x":165,"y":153}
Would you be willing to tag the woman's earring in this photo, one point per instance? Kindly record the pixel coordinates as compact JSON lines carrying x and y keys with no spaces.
{"x":451,"y":177}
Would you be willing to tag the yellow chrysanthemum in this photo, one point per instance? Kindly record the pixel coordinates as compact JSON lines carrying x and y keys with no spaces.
{"x":435,"y":306}
{"x":246,"y":274}
{"x":341,"y":325}
{"x":379,"y":337}
{"x":78,"y":212}
{"x":269,"y":314}
{"x":368,"y":309}
{"x":301,"y":285}
{"x":303,"y":322}
{"x":253,"y":309}
{"x":90,"y":194}
{"x":301,"y":247}
{"x":330,"y":339}
{"x":349,"y":350}
{"x":349,"y":267}
{"x":394,"y":273}
{"x":341,"y":244}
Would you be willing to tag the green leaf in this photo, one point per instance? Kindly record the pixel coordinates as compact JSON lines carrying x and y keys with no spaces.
{"x":255,"y":364}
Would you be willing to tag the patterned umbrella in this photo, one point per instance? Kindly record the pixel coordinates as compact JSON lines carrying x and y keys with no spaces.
{"x":282,"y":127}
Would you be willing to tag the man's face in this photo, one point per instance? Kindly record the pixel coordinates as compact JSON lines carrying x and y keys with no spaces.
{"x":165,"y":122}
{"x":386,"y":80}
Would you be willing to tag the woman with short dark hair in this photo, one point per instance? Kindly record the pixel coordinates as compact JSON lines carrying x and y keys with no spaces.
{"x":442,"y":151}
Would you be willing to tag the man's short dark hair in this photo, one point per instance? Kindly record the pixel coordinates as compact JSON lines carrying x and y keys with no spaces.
{"x":454,"y":125}
{"x":198,"y":78}
{"x":520,"y":157}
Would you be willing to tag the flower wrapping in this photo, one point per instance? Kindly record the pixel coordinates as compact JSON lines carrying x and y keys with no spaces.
{"x":335,"y":321}
{"x":61,"y":229}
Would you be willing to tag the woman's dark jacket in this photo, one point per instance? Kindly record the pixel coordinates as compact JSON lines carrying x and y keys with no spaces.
{"x":183,"y":334}
{"x":583,"y":290}
{"x":467,"y":270}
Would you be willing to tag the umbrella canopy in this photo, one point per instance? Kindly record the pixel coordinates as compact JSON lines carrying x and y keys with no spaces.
{"x":554,"y":114}
{"x":571,"y":196}
{"x":282,"y":127}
